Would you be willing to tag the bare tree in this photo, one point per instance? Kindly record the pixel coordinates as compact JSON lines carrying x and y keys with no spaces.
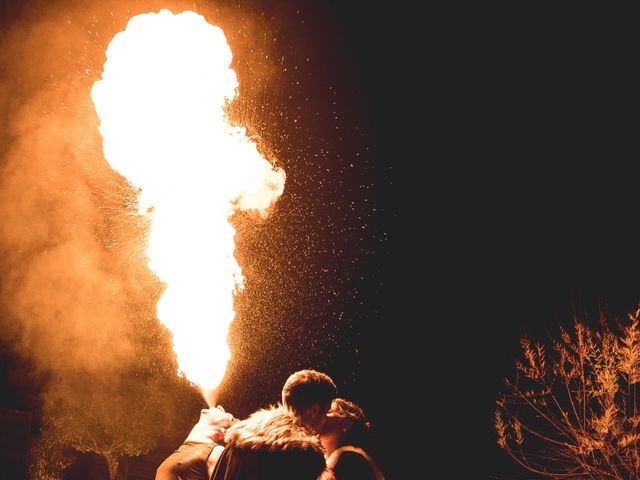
{"x":571,"y":410}
{"x":48,"y":458}
{"x":113,"y":419}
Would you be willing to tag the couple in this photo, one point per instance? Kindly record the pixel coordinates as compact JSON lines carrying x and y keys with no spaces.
{"x":280,"y":441}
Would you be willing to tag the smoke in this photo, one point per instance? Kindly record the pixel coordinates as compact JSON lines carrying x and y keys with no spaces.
{"x":60,"y":281}
{"x":76,"y":294}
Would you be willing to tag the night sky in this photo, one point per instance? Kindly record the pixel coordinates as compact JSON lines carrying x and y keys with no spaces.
{"x":534,"y":211}
{"x":456,"y":178}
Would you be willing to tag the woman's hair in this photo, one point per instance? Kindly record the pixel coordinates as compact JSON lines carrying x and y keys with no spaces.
{"x":359,"y":434}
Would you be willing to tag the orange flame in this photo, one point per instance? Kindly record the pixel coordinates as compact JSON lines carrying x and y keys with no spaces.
{"x":161,"y":102}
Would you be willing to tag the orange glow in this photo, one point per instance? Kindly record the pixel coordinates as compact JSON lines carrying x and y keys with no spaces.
{"x":161,"y":101}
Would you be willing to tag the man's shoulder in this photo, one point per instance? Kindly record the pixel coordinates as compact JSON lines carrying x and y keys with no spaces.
{"x":272,"y":429}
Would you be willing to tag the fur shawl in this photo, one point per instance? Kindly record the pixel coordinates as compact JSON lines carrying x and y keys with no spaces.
{"x":272,"y":429}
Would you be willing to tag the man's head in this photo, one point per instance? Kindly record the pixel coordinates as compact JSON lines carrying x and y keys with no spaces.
{"x":308,"y":395}
{"x":218,"y":422}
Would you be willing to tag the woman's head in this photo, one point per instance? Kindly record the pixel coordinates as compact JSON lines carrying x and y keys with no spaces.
{"x":346,"y":425}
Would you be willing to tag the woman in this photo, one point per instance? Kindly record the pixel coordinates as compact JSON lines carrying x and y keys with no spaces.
{"x":344,"y":437}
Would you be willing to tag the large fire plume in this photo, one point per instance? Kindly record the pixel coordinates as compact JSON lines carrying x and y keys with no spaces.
{"x":161,"y":101}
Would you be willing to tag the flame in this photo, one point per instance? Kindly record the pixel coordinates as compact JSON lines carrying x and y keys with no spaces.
{"x":161,"y":102}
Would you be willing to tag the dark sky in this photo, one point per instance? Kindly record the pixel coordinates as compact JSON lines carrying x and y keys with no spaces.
{"x":495,"y":173}
{"x":534,"y":208}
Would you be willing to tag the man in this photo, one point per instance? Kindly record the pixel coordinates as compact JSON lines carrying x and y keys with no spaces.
{"x":196,"y":457}
{"x":281,"y":441}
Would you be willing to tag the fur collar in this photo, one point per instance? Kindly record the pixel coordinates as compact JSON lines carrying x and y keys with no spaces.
{"x":272,"y":429}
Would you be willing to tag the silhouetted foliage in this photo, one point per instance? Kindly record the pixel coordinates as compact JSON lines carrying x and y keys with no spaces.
{"x":572,"y":409}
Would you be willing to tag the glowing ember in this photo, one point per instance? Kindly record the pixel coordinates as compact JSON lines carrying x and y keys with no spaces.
{"x":161,"y":101}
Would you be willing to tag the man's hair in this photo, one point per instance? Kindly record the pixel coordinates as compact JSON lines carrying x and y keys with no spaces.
{"x":306,"y":387}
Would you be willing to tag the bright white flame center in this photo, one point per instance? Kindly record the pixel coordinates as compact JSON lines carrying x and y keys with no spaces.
{"x":161,"y":103}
